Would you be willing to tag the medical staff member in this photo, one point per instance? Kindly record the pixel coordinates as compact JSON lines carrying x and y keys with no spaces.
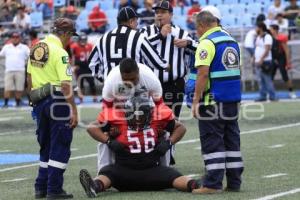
{"x":216,"y":104}
{"x":50,"y":85}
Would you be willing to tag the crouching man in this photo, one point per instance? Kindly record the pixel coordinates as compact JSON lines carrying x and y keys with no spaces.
{"x":136,"y":135}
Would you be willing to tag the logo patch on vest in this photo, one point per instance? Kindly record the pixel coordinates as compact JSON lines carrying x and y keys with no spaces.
{"x":230,"y":58}
{"x":65,"y":59}
{"x":69,"y":71}
{"x":39,"y":54}
{"x":203,"y":54}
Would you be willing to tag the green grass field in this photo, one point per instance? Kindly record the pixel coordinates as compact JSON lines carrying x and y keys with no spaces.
{"x":270,"y":147}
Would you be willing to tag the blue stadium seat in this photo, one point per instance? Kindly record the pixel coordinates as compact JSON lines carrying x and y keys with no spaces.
{"x":224,"y":9}
{"x":112,"y":23}
{"x":82,"y":20}
{"x":215,"y":2}
{"x":106,"y":4}
{"x":254,"y":9}
{"x":238,"y":9}
{"x":177,"y":11}
{"x":229,"y":21}
{"x":111,"y":14}
{"x":89,"y":5}
{"x":180,"y":21}
{"x":231,"y":1}
{"x":36,"y":19}
{"x":245,"y":21}
{"x":59,"y":3}
{"x":247,"y":1}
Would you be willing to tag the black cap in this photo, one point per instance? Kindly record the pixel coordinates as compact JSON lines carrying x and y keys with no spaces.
{"x":65,"y":24}
{"x":125,"y":14}
{"x":165,"y":5}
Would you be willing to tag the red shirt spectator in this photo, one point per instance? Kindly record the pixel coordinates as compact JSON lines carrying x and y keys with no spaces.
{"x":194,"y":9}
{"x":97,"y":18}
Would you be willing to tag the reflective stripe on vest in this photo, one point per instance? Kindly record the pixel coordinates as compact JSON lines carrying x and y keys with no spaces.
{"x":227,"y":73}
{"x":222,"y":39}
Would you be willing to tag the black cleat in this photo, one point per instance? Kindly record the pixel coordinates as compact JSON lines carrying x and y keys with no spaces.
{"x":87,"y":183}
{"x":62,"y":195}
{"x":40,"y":194}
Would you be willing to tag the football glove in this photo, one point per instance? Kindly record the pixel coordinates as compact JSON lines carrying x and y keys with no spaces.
{"x":162,"y":147}
{"x":115,"y":146}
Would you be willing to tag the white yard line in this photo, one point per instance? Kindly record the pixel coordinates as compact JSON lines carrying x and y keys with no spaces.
{"x":16,"y":132}
{"x":274,"y":196}
{"x":14,"y":180}
{"x":276,"y":146}
{"x":182,"y":142}
{"x":250,"y":132}
{"x":5,"y":151}
{"x":74,"y":149}
{"x":4,"y":119}
{"x":198,"y":148}
{"x":36,"y":164}
{"x":274,"y":175}
{"x":192,"y":175}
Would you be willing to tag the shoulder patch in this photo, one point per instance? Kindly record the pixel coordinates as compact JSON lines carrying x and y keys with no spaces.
{"x":65,"y":59}
{"x":230,"y":58}
{"x":39,"y":54}
{"x":203,"y":54}
{"x":69,"y":71}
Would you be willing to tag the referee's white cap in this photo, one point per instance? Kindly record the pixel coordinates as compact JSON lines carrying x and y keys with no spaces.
{"x":213,"y":10}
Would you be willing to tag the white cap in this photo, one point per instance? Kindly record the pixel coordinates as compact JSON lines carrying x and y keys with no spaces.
{"x":213,"y":10}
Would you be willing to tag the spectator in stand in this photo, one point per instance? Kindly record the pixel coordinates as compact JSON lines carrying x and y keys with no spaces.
{"x":44,"y":7}
{"x":13,"y":6}
{"x":147,"y":15}
{"x":291,"y":13}
{"x":6,"y":17}
{"x":134,"y":4}
{"x":281,"y":58}
{"x":193,"y":10}
{"x":70,"y":11}
{"x":97,"y":21}
{"x":282,"y":23}
{"x":33,"y":36}
{"x":263,"y":62}
{"x":22,"y":21}
{"x":275,"y":9}
{"x":14,"y":78}
{"x":80,"y":52}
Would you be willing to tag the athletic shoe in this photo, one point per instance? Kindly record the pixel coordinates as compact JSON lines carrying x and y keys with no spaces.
{"x":87,"y":183}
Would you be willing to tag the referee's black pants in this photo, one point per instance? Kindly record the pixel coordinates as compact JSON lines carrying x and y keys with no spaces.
{"x":173,"y":93}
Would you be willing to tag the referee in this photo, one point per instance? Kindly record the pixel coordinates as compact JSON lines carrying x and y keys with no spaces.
{"x":123,"y":42}
{"x":176,"y":46}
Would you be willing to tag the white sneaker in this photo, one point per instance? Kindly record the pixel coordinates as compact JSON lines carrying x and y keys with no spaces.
{"x":293,"y":95}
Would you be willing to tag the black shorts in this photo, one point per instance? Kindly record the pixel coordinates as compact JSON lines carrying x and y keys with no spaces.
{"x":151,"y":179}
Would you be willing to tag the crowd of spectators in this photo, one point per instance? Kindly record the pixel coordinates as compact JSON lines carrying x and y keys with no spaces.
{"x":15,"y":17}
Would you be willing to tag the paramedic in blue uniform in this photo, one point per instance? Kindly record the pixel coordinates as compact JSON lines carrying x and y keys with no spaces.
{"x":50,"y":86}
{"x":216,"y":105}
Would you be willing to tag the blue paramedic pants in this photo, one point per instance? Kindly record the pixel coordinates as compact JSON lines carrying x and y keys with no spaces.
{"x":54,"y":137}
{"x":220,"y":145}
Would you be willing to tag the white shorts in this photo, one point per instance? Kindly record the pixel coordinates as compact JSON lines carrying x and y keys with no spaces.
{"x":14,"y":81}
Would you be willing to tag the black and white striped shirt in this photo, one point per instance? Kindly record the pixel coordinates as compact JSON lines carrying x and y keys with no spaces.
{"x":176,"y":57}
{"x":123,"y":42}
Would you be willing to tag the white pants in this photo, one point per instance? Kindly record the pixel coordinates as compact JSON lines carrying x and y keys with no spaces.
{"x":107,"y":157}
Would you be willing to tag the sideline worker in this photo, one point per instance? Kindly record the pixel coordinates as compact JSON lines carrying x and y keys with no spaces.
{"x":216,"y":104}
{"x":50,"y":85}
